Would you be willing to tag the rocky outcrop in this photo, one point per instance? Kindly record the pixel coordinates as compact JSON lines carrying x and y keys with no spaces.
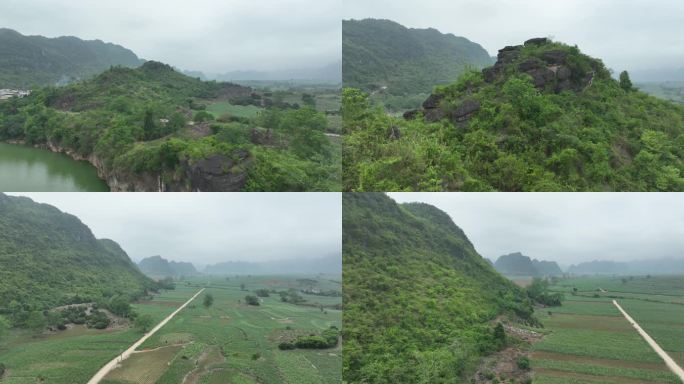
{"x":220,"y":173}
{"x":552,"y":67}
{"x":550,"y":70}
{"x":464,"y":110}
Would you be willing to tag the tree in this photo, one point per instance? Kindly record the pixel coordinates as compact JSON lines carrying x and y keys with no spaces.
{"x":252,"y":300}
{"x":242,"y":286}
{"x":4,"y":326}
{"x":36,"y":321}
{"x":144,"y":322}
{"x":208,"y":300}
{"x":625,"y":81}
{"x":120,"y":306}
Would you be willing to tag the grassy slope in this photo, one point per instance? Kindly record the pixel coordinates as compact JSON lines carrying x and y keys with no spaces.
{"x":418,"y":298}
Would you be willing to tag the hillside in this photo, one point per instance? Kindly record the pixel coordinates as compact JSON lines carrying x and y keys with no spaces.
{"x":158,"y":267}
{"x":27,"y":62}
{"x":545,"y":117}
{"x":382,"y":53}
{"x":151,"y":129}
{"x":517,"y":264}
{"x":420,"y":302}
{"x":330,"y":265}
{"x":50,"y":258}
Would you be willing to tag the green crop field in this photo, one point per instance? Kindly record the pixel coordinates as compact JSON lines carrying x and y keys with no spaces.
{"x":74,"y":355}
{"x":589,"y":341}
{"x":229,"y":342}
{"x":232,"y":342}
{"x":226,"y":108}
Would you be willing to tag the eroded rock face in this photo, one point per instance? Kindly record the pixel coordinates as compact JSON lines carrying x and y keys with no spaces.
{"x":220,"y":173}
{"x":549,"y":71}
{"x":465,"y":110}
{"x":537,"y":41}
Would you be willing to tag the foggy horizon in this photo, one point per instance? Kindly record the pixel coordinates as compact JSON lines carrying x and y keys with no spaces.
{"x":212,"y":36}
{"x":634,"y":35}
{"x":565,"y":227}
{"x":206,"y":229}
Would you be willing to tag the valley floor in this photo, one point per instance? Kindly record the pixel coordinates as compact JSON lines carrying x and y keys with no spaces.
{"x":589,"y":340}
{"x":228,"y":342}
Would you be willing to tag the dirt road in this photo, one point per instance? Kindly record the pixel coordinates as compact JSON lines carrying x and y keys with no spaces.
{"x":674,"y":367}
{"x":112,"y":364}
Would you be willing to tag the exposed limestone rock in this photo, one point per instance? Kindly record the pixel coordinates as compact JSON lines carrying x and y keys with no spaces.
{"x":411,"y":115}
{"x":394,"y":133}
{"x":220,"y":173}
{"x":465,"y":110}
{"x":536,"y":41}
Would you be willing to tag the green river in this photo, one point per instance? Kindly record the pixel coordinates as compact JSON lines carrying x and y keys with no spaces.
{"x":27,"y":169}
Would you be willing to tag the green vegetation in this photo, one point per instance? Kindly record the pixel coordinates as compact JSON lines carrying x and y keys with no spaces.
{"x":75,"y":354}
{"x":208,"y":300}
{"x":152,"y":128}
{"x":30,"y":61}
{"x":383,"y":56}
{"x":420,"y":303}
{"x":229,"y":342}
{"x":588,"y":339}
{"x":233,"y":342}
{"x":49,"y":258}
{"x":544,"y":118}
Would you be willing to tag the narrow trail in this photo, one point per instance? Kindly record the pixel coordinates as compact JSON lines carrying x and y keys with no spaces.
{"x":127,"y":353}
{"x":674,"y":367}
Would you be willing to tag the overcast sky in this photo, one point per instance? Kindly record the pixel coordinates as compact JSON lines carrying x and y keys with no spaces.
{"x":212,"y":227}
{"x":214,"y":36}
{"x":566,"y":227}
{"x":626,"y":34}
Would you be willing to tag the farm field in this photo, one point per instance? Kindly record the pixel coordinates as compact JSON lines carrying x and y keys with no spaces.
{"x":226,"y":108}
{"x":74,"y":355}
{"x":589,"y":341}
{"x":229,"y":342}
{"x":232,"y":342}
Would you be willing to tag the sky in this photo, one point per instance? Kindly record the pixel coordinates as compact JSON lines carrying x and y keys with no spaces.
{"x":212,"y":227}
{"x":214,"y":36}
{"x":634,"y":35}
{"x":566,"y":227}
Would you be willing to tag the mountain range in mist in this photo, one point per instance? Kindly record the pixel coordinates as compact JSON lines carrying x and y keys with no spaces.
{"x":331,"y":73}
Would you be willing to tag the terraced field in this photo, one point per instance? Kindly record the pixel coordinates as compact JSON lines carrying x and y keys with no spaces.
{"x":589,"y":341}
{"x":232,"y":342}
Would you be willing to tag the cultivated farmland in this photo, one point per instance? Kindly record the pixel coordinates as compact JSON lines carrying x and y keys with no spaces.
{"x":589,"y":341}
{"x":233,"y":342}
{"x":227,"y":342}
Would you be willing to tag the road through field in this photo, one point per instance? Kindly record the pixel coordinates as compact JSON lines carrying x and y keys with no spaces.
{"x":112,"y":364}
{"x":674,"y":367}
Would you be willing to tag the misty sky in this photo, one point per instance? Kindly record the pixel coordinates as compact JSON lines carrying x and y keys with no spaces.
{"x":566,"y":227}
{"x":626,"y":34}
{"x":213,"y":36}
{"x":212,"y":227}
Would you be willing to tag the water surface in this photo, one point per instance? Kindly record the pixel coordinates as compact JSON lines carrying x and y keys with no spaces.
{"x":27,"y":169}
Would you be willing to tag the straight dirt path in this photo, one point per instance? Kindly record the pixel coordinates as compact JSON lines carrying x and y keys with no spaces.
{"x":112,"y":364}
{"x":674,"y":367}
